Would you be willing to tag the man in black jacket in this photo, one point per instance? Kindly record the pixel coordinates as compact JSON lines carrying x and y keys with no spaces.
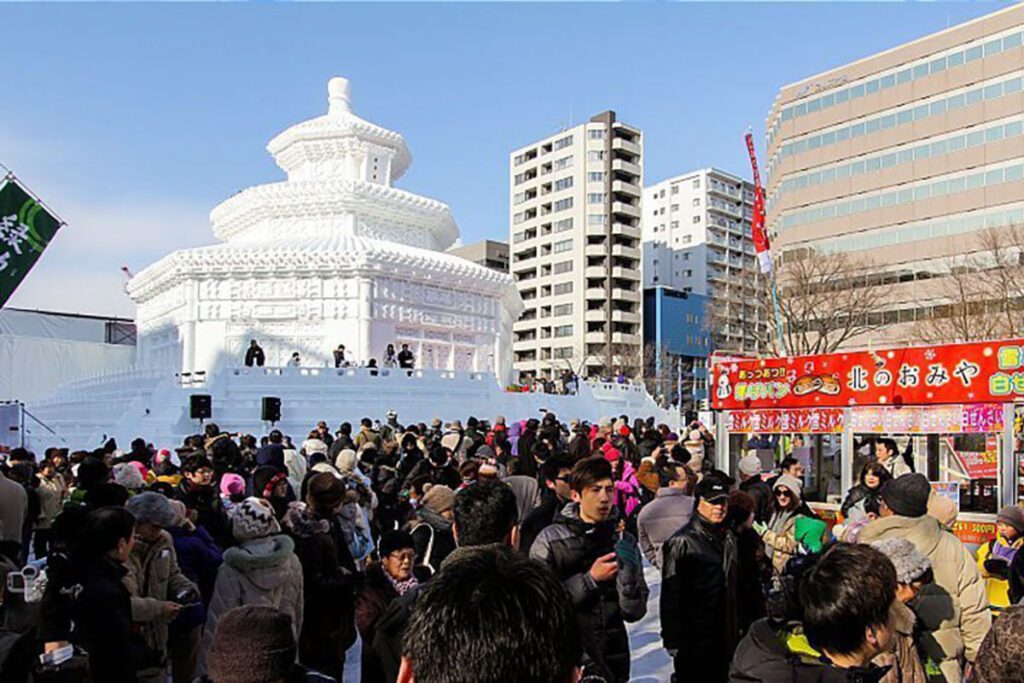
{"x":555,"y":473}
{"x":254,"y":355}
{"x":699,"y":589}
{"x":601,"y":566}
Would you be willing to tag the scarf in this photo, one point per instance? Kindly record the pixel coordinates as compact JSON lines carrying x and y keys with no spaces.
{"x":402,"y":586}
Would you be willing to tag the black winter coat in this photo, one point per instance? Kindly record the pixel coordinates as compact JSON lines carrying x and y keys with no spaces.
{"x":539,"y":518}
{"x":700,"y":599}
{"x":102,"y":617}
{"x":210,"y":514}
{"x":762,"y":657}
{"x":763,"y":498}
{"x":569,"y":547}
{"x":329,"y":581}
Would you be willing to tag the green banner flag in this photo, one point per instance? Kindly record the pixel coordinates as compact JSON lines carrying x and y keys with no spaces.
{"x":25,"y":230}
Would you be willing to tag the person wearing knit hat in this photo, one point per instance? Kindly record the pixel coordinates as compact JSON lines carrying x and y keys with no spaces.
{"x":779,"y":534}
{"x":954,"y":612}
{"x":128,"y":476}
{"x":996,"y":557}
{"x":252,"y":519}
{"x":253,"y":644}
{"x":262,"y":570}
{"x":749,"y":469}
{"x":432,"y":532}
{"x":385,"y":582}
{"x":232,"y":491}
{"x":158,"y":587}
{"x":913,"y":572}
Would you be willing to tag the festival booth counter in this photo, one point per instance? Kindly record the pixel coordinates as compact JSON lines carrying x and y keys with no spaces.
{"x":950,"y":409}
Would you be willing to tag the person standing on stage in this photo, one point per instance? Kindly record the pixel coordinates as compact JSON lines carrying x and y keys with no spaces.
{"x":254,"y":355}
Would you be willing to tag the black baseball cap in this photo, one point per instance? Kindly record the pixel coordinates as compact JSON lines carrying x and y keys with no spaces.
{"x":712,"y":489}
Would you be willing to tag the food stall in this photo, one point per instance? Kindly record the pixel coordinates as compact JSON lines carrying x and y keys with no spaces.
{"x":950,"y":409}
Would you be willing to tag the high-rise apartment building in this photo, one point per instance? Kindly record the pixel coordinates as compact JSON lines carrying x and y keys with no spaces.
{"x":489,"y":253}
{"x":575,"y":246}
{"x":902,"y":160}
{"x":697,"y":238}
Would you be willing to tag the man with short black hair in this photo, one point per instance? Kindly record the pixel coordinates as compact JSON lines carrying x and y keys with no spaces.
{"x":670,"y":510}
{"x":847,"y":600}
{"x":700,"y":571}
{"x":601,"y":567}
{"x":254,"y":355}
{"x":406,"y":358}
{"x":198,"y":493}
{"x":555,"y":475}
{"x":469,"y":614}
{"x":367,"y":434}
{"x":273,"y":453}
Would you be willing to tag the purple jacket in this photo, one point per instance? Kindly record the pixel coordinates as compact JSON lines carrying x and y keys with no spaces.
{"x":198,"y":558}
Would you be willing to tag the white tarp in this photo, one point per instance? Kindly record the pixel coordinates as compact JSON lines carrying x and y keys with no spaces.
{"x":31,"y":368}
{"x":52,"y":326}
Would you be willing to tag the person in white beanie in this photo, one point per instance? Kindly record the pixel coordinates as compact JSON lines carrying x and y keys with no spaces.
{"x":779,"y":534}
{"x":749,"y":469}
{"x":262,"y":570}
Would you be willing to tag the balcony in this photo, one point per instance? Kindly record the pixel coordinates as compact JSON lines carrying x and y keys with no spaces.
{"x":625,"y":317}
{"x":626,"y":209}
{"x":625,"y":294}
{"x":626,"y":188}
{"x":727,"y":208}
{"x":624,"y":338}
{"x":626,"y":273}
{"x":724,"y":190}
{"x":626,"y":230}
{"x":596,"y":272}
{"x":716,"y":257}
{"x":595,"y":250}
{"x":595,"y":338}
{"x":626,"y":167}
{"x":595,"y":316}
{"x":595,"y":293}
{"x":625,"y":252}
{"x":626,"y":146}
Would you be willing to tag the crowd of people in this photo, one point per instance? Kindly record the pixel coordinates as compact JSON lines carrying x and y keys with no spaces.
{"x":494,"y":551}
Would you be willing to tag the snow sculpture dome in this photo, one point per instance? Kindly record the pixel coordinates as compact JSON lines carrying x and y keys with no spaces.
{"x":333,"y":255}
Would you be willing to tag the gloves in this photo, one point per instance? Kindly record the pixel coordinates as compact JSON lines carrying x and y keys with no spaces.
{"x":760,"y":528}
{"x":997,"y":567}
{"x":628,"y":554}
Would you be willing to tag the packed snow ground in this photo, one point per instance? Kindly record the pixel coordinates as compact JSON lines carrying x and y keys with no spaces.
{"x":651,"y":664}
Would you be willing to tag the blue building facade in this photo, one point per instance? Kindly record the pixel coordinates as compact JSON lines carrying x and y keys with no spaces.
{"x":677,"y":344}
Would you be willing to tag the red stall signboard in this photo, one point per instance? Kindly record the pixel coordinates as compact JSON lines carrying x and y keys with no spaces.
{"x":954,"y":373}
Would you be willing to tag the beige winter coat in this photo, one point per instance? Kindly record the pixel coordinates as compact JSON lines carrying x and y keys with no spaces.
{"x":154,"y":578}
{"x":952,"y":611}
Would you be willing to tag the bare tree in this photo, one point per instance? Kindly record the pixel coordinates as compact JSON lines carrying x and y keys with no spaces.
{"x":824,"y":301}
{"x":979,"y":295}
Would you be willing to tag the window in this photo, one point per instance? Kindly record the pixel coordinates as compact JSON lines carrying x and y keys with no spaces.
{"x":595,"y":177}
{"x":596,"y":133}
{"x":562,"y":309}
{"x":563,"y":331}
{"x":562,"y":142}
{"x":696,"y":219}
{"x":563,"y":204}
{"x":687,"y":239}
{"x":674,"y":225}
{"x":563,"y":352}
{"x":595,"y":198}
{"x":519,"y":198}
{"x":561,"y":288}
{"x":564,"y":162}
{"x":595,"y":155}
{"x":696,"y":183}
{"x":597,"y":219}
{"x":563,"y":225}
{"x":562,"y":247}
{"x":562,"y":267}
{"x":517,"y":218}
{"x":675,"y":189}
{"x":674,"y":208}
{"x":696,"y":201}
{"x":563,"y":183}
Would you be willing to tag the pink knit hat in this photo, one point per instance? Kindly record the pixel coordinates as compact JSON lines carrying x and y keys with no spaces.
{"x":232,"y":485}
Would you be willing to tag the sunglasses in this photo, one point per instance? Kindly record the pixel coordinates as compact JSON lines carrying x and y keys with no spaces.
{"x":783,"y":494}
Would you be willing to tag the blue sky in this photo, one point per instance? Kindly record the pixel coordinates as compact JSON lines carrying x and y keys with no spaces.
{"x":133,"y":121}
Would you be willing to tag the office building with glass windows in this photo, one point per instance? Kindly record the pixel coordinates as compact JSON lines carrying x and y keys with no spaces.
{"x":902,"y":160}
{"x":575,"y":250}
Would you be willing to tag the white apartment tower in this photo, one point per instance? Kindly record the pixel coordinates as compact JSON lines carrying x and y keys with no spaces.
{"x":575,"y":250}
{"x":697,"y":238}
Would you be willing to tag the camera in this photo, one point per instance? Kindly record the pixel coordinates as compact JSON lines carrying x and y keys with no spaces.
{"x":30,"y":582}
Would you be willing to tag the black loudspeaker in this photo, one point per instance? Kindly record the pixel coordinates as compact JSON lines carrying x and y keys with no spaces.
{"x":271,"y":409}
{"x":200,"y":406}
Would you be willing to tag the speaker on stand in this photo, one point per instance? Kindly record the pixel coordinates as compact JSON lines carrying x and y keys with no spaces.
{"x":271,"y":409}
{"x":200,"y":407}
